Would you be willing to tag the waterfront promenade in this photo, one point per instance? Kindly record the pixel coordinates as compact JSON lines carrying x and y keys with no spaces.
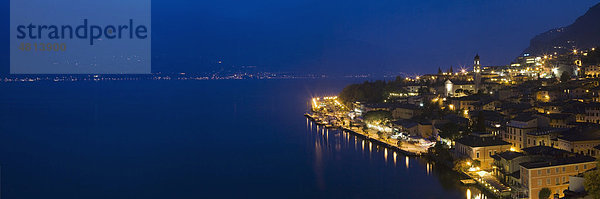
{"x":330,"y":113}
{"x":405,"y":148}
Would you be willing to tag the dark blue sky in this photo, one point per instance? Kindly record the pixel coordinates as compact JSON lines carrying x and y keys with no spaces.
{"x":343,"y":37}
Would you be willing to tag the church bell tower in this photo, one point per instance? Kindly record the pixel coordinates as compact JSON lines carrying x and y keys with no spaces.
{"x":477,"y":72}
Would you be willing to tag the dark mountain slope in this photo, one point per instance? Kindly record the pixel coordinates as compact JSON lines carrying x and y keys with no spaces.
{"x":584,"y":33}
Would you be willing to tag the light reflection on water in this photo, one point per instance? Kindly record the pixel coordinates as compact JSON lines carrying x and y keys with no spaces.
{"x":468,"y":193}
{"x":385,"y":154}
{"x":343,"y":142}
{"x":478,"y":196}
{"x":428,"y":165}
{"x":363,"y":145}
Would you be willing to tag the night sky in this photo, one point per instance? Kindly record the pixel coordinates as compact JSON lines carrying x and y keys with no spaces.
{"x":343,"y":37}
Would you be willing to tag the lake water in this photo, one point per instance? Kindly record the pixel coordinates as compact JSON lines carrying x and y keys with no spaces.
{"x":194,"y":139}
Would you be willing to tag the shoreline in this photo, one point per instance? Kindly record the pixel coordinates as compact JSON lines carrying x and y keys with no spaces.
{"x":367,"y":137}
{"x":464,"y":176}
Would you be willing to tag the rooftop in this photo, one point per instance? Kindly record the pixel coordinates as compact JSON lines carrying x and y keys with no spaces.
{"x":524,"y":118}
{"x":516,"y":174}
{"x":476,"y":141}
{"x":582,"y":133}
{"x":406,"y":123}
{"x":469,"y":98}
{"x":406,"y":106}
{"x":509,"y":155}
{"x":520,"y":106}
{"x":557,"y":162}
{"x":544,"y":150}
{"x":547,"y":130}
{"x":592,"y":105}
{"x":392,"y":106}
{"x":559,"y":116}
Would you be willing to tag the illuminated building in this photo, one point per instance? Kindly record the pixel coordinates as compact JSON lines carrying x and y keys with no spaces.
{"x":406,"y":111}
{"x":480,"y":147}
{"x":553,"y":171}
{"x":518,"y":127}
{"x":592,"y":71}
{"x":449,"y":88}
{"x":592,"y":113}
{"x":477,"y":72}
{"x":580,"y":140}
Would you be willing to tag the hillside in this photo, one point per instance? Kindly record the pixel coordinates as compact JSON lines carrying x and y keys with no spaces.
{"x":584,"y":33}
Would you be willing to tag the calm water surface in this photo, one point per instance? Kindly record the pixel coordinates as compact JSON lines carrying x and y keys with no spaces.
{"x":195,"y":139}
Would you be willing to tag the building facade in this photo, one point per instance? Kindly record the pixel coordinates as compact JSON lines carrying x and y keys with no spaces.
{"x":552,"y":175}
{"x":481,"y":147}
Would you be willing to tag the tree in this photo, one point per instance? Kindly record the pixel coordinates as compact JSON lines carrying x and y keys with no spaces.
{"x":476,"y":163}
{"x":565,"y":76}
{"x":423,"y":90}
{"x":371,"y":92}
{"x":377,"y":116}
{"x":379,"y":134}
{"x":461,"y":165}
{"x":592,"y":183}
{"x":450,"y":131}
{"x":544,"y":193}
{"x":479,"y":124}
